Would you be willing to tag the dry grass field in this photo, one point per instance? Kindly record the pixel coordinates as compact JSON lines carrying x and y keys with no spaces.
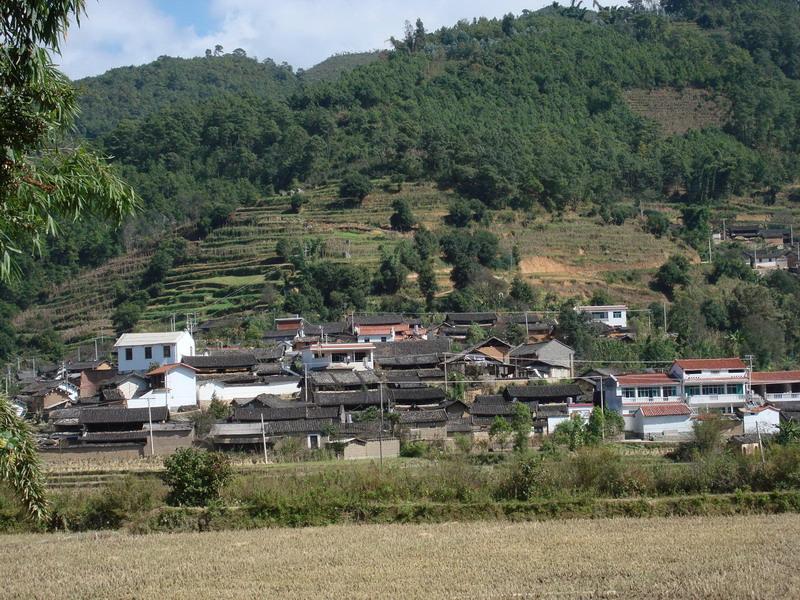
{"x":725,"y":557}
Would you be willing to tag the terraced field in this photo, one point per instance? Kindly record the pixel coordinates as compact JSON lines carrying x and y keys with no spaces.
{"x":571,"y":254}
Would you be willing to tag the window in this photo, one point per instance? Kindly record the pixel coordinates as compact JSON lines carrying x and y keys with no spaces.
{"x":148,"y":352}
{"x":167,"y":351}
{"x":736,"y":388}
{"x":617,"y":314}
{"x":599,"y":315}
{"x":365,"y":340}
{"x":383,"y":339}
{"x":692,"y":390}
{"x":338,"y":358}
{"x":649,"y":392}
{"x":313,"y":442}
{"x":629,"y":392}
{"x":128,"y":353}
{"x":361,"y":355}
{"x":713,"y":390}
{"x":670,"y":391}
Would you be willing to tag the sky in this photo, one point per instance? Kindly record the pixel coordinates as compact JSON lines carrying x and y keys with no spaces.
{"x":115,"y":33}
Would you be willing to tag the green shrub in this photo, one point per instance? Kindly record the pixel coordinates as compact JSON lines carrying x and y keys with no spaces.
{"x":195,"y":477}
{"x":413,"y":449}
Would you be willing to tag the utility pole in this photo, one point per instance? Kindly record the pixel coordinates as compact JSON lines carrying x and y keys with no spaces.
{"x":305,"y":383}
{"x":603,"y":408}
{"x":264,"y":438}
{"x":150,"y":421}
{"x":380,"y":432}
{"x":760,"y":444}
{"x":709,"y":250}
{"x":95,"y":349}
{"x":724,"y":230}
{"x":664,"y":309}
{"x":749,"y":394}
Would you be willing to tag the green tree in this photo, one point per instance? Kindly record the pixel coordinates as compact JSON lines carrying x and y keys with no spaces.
{"x":671,"y":274}
{"x":521,"y":423}
{"x":402,"y":218}
{"x":571,"y":433}
{"x":20,"y":468}
{"x":354,"y":187}
{"x":41,"y":182}
{"x":125,"y":317}
{"x":500,"y":431}
{"x":195,"y":477}
{"x":788,"y":432}
{"x":657,"y":223}
{"x":476,"y":333}
{"x":426,"y":279}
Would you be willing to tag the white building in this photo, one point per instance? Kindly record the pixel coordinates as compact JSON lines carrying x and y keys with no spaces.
{"x":140,"y":351}
{"x":172,"y":385}
{"x":357,"y":356}
{"x":712,"y":383}
{"x":615,"y":315}
{"x":283,"y":385}
{"x":663,"y":420}
{"x":763,"y":419}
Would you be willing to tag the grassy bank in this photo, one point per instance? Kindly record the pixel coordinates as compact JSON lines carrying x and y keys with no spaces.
{"x":718,"y":557}
{"x":592,"y":482}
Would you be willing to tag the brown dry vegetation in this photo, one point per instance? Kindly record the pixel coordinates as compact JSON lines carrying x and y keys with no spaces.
{"x":723,"y":557}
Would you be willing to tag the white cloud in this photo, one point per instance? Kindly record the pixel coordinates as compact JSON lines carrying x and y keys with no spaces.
{"x":300,"y":32}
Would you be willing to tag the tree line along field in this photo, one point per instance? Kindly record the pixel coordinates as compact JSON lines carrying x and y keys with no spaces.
{"x":710,"y":557}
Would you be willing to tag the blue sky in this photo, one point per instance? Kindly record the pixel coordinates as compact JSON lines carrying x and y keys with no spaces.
{"x":117,"y":33}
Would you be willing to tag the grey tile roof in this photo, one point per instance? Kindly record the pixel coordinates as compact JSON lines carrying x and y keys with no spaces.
{"x":473,"y":317}
{"x":434,"y":345}
{"x":417,"y":394}
{"x":121,"y":415}
{"x":227,"y":360}
{"x":535,"y":392}
{"x":435,"y":417}
{"x":384,"y":319}
{"x":350,"y":399}
{"x":342,"y":378}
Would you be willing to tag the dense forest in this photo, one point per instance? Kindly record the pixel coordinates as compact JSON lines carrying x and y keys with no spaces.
{"x":516,"y":113}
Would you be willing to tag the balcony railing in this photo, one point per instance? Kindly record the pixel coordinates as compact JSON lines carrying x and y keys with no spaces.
{"x":784,"y":396}
{"x":721,"y":399}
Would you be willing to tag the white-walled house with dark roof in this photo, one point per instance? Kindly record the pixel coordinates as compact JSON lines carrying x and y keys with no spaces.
{"x":140,"y":351}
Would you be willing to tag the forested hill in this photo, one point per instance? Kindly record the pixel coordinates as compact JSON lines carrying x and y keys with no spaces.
{"x":134,"y":92}
{"x":521,"y":111}
{"x":498,"y":132}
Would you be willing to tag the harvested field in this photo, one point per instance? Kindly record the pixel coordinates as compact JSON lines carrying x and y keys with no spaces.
{"x":724,"y":557}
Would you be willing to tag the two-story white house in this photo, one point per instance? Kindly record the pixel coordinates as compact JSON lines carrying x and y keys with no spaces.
{"x":615,"y":315}
{"x":712,"y":383}
{"x":357,"y":356}
{"x":140,"y":351}
{"x":627,"y":393}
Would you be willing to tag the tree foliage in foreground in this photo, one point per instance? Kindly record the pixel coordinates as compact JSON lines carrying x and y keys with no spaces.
{"x":19,"y":462}
{"x":42,"y":181}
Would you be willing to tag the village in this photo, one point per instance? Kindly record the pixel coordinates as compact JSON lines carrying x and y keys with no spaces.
{"x":363,"y":387}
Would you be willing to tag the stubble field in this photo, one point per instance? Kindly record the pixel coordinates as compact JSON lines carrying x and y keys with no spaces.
{"x":722,"y":557}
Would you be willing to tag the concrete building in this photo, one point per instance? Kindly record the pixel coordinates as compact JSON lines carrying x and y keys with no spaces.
{"x":712,"y":383}
{"x":356,"y":356}
{"x":663,"y":420}
{"x":777,"y":386}
{"x":615,"y":315}
{"x":140,"y":351}
{"x":762,"y":419}
{"x":171,"y":385}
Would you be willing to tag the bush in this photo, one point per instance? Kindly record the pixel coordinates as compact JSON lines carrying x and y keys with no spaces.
{"x":354,"y":188}
{"x":402,"y":219}
{"x":413,"y":449}
{"x":195,"y":477}
{"x":297,"y":202}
